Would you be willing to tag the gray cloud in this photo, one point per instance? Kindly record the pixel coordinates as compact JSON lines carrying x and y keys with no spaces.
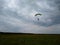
{"x":18,"y":16}
{"x":49,"y":8}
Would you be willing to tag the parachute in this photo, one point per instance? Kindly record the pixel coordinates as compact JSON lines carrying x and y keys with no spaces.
{"x":38,"y":15}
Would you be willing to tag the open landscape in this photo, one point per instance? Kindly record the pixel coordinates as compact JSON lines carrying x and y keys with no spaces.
{"x":29,"y":22}
{"x":29,"y":39}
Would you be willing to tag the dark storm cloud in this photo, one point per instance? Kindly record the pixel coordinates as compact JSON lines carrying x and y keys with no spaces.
{"x":56,"y":13}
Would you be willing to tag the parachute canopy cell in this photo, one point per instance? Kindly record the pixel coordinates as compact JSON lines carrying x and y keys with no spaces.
{"x":38,"y":14}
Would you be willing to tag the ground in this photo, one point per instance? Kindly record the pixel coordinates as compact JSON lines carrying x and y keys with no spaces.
{"x":29,"y":39}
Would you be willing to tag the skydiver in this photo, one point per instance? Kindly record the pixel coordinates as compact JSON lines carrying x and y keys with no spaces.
{"x":38,"y":19}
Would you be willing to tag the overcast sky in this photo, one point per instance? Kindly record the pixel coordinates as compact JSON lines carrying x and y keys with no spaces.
{"x":18,"y":16}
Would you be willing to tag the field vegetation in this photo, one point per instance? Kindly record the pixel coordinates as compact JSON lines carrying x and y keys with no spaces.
{"x":29,"y":39}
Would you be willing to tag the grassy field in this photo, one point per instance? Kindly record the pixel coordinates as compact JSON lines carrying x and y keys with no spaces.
{"x":29,"y":39}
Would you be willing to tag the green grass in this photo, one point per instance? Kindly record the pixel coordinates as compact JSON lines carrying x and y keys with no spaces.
{"x":29,"y":39}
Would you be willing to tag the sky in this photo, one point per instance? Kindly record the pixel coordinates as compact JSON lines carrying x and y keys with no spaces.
{"x":19,"y":16}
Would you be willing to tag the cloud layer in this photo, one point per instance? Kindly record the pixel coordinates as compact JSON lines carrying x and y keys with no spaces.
{"x":18,"y":16}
